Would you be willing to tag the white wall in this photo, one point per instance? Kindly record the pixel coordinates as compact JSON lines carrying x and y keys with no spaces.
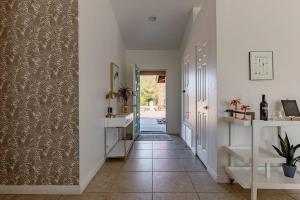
{"x":203,"y":30}
{"x":243,"y":26}
{"x":160,"y":60}
{"x":100,"y":43}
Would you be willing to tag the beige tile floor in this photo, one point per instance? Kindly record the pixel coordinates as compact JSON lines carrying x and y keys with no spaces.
{"x":159,"y":170}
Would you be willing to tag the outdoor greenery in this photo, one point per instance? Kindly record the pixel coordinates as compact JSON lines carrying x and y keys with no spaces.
{"x":149,"y":90}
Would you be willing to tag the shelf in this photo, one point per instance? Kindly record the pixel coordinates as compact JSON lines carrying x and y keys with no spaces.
{"x":243,"y":175}
{"x":276,"y":123}
{"x":244,"y":154}
{"x":118,"y":150}
{"x":119,"y":121}
{"x":238,"y":121}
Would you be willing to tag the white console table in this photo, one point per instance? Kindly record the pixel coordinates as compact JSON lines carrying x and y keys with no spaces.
{"x":122,"y":147}
{"x":253,"y":175}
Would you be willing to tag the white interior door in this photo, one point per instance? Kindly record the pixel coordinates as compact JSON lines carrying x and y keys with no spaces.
{"x":185,"y":98}
{"x":202,"y":102}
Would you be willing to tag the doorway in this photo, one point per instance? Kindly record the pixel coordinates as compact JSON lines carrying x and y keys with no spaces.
{"x":153,"y":102}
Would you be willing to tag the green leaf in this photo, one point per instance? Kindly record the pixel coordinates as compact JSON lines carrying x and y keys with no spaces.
{"x":296,"y":147}
{"x":295,"y":160}
{"x":278,"y":151}
{"x":283,"y":146}
{"x":287,"y":142}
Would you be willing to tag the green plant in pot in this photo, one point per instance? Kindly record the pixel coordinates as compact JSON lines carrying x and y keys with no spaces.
{"x":124,"y":94}
{"x":288,"y":151}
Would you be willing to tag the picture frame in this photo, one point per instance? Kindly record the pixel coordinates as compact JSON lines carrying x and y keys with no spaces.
{"x":261,"y":65}
{"x":114,"y":78}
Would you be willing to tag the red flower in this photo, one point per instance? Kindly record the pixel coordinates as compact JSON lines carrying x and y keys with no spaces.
{"x":235,"y":103}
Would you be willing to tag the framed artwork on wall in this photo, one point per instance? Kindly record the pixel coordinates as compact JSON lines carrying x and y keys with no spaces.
{"x":261,"y":65}
{"x":114,"y":78}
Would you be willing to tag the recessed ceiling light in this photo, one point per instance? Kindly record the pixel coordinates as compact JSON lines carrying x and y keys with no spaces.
{"x":152,"y":19}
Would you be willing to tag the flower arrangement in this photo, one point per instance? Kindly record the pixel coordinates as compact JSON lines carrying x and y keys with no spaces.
{"x":245,"y":108}
{"x":235,"y":103}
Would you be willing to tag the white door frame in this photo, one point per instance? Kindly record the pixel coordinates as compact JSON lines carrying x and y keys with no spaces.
{"x":142,"y":68}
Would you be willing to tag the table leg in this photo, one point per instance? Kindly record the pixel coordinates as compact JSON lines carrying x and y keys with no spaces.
{"x":124,"y":138}
{"x":253,"y":193}
{"x":105,"y":144}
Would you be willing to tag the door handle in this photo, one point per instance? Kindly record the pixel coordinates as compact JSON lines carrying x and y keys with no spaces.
{"x":183,"y":91}
{"x":205,"y":107}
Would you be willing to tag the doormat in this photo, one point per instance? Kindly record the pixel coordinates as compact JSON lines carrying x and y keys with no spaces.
{"x":154,"y":137}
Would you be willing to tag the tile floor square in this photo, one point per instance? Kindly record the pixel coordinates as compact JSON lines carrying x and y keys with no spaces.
{"x":137,"y":153}
{"x":193,"y":165}
{"x":167,"y":165}
{"x":131,"y":196}
{"x":172,"y":154}
{"x":172,"y":182}
{"x":133,"y":182}
{"x":138,"y":165}
{"x":175,"y":196}
{"x":223,"y":196}
{"x":169,"y":145}
{"x":203,"y":183}
{"x":143,"y":146}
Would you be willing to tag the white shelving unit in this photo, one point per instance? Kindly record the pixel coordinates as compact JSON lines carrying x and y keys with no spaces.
{"x":122,"y":147}
{"x":254,"y":175}
{"x":244,"y":154}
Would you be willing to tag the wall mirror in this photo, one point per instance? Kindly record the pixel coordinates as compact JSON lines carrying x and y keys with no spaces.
{"x":114,"y":77}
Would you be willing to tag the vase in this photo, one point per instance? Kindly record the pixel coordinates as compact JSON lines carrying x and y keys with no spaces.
{"x":125,"y":109}
{"x":289,"y":171}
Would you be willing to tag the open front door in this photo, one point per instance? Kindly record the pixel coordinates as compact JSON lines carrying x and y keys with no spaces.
{"x":136,"y":101}
{"x":202,"y":102}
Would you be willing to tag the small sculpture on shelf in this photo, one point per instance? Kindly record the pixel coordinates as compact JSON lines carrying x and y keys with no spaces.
{"x":288,"y":151}
{"x":235,"y":103}
{"x":245,"y":108}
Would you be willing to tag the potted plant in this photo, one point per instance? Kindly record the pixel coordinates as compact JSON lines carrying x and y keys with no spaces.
{"x":123,"y":94}
{"x":288,"y":151}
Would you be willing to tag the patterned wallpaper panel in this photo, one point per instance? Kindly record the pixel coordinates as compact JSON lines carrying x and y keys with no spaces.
{"x":39,"y":92}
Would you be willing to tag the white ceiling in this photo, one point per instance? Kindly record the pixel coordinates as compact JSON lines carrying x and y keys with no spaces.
{"x":164,"y":34}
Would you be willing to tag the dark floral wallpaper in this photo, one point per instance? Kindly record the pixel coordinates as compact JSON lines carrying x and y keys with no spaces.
{"x":39,"y":111}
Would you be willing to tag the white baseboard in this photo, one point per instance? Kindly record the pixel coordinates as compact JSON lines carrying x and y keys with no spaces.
{"x":212,"y":173}
{"x":194,"y":151}
{"x":86,"y":180}
{"x":40,"y":189}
